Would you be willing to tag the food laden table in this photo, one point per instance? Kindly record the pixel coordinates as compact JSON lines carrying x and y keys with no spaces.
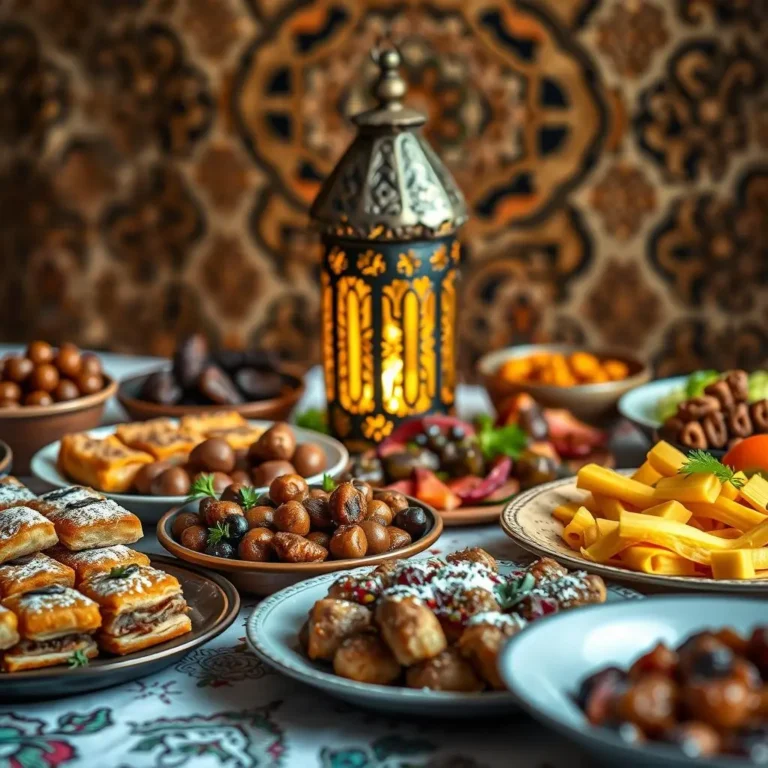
{"x":221,"y":706}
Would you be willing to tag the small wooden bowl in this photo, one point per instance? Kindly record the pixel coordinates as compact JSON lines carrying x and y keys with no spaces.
{"x":28,"y":428}
{"x":266,"y":578}
{"x":274,"y":409}
{"x":592,"y":403}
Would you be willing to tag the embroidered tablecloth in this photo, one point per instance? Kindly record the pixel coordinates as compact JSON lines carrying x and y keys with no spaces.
{"x":220,"y":706}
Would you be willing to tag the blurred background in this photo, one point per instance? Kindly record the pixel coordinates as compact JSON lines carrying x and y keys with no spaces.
{"x":158,"y":158}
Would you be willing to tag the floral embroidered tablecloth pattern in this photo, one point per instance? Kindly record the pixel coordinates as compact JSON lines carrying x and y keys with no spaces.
{"x":220,"y":706}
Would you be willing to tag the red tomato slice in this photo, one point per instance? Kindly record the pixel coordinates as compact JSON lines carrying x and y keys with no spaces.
{"x":749,"y":456}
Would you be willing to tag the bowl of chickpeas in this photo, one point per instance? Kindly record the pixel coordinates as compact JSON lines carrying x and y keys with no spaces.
{"x":47,"y":392}
{"x":263,"y":542}
{"x":585,"y":382}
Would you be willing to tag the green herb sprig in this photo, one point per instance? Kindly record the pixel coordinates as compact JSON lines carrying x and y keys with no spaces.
{"x":249,"y":497}
{"x":329,"y":484}
{"x":510,"y":593}
{"x":219,"y":532}
{"x":78,"y":659}
{"x":510,"y":440}
{"x":701,"y":462}
{"x":202,"y":487}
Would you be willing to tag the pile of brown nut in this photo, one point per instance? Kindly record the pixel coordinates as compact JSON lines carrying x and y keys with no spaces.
{"x":719,"y":418}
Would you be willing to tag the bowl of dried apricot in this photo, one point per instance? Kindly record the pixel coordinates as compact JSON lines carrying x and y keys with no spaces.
{"x":585,"y":382}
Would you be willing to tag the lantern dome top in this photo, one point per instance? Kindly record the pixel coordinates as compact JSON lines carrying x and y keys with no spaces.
{"x":389,"y":184}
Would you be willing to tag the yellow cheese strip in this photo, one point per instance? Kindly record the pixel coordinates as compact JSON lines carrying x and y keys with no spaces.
{"x":755,"y":493}
{"x":685,"y":540}
{"x":733,"y":564}
{"x":573,"y":534}
{"x":670,"y":510}
{"x":607,"y":546}
{"x":666,"y":459}
{"x":646,"y":474}
{"x":729,"y":512}
{"x":726,"y":533}
{"x":754,"y":538}
{"x":565,"y":512}
{"x":640,"y":557}
{"x":606,"y":482}
{"x":590,"y":502}
{"x":612,"y":509}
{"x":704,"y":488}
{"x":730,"y":491}
{"x":760,"y":558}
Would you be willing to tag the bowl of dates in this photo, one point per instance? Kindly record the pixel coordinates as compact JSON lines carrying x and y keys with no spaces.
{"x":46,"y":392}
{"x":252,"y":382}
{"x":263,"y":542}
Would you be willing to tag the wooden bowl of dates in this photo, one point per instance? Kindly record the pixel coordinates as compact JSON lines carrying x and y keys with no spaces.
{"x":47,"y":392}
{"x":273,"y":572}
{"x":591,"y":398}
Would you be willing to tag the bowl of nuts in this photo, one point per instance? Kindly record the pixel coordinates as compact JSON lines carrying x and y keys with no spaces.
{"x":263,"y":542}
{"x":46,"y":392}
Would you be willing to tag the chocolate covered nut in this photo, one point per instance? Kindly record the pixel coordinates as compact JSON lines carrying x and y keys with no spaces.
{"x":278,"y":442}
{"x":161,"y":387}
{"x":697,"y":408}
{"x":739,"y":421}
{"x":715,"y":429}
{"x":309,"y":459}
{"x":721,"y":391}
{"x":218,"y":387}
{"x":738,"y":382}
{"x":692,"y":436}
{"x":213,"y":455}
{"x":190,"y":359}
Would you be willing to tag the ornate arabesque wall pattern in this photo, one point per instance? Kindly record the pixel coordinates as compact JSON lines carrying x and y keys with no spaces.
{"x":158,"y":158}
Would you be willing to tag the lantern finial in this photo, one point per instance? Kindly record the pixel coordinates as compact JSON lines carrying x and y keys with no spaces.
{"x":390,"y":87}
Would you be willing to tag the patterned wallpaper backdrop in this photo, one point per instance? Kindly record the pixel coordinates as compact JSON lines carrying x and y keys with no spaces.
{"x":157,"y":159}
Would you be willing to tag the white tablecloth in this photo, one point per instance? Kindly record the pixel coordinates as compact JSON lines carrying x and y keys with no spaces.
{"x":220,"y":706}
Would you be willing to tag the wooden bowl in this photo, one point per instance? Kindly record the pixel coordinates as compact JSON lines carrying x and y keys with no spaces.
{"x":594,"y":404}
{"x":28,"y":428}
{"x":266,"y":578}
{"x":274,"y":409}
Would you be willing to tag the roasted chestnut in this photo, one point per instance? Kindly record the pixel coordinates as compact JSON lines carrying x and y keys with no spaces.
{"x":278,"y":442}
{"x":288,"y":488}
{"x":348,"y":505}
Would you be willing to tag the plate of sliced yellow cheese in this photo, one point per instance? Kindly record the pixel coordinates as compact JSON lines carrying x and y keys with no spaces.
{"x":661,"y":525}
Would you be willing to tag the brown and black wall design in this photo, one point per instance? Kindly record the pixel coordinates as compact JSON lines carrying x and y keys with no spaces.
{"x":158,"y":157}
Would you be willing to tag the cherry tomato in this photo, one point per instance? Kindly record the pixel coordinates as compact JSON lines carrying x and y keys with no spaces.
{"x":749,"y":456}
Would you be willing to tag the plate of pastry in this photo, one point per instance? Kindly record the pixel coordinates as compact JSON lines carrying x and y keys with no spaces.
{"x":151,"y":466}
{"x":679,"y":521}
{"x":416,"y":636}
{"x":80,"y":609}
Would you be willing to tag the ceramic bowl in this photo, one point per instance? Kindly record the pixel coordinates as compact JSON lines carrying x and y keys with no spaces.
{"x":640,"y":404}
{"x":28,"y":428}
{"x":544,"y":665}
{"x":276,"y":409}
{"x":266,"y":578}
{"x":151,"y":508}
{"x":593,"y":403}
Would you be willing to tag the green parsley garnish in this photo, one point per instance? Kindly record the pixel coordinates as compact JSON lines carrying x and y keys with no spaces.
{"x":219,"y":532}
{"x":249,"y":497}
{"x":78,"y":659}
{"x":701,"y":462}
{"x":202,"y":487}
{"x":314,"y":419}
{"x":499,"y":441}
{"x":510,"y":593}
{"x":329,"y":484}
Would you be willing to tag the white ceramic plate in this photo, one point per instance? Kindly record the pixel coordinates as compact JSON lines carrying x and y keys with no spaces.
{"x":151,"y":508}
{"x":528,"y":520}
{"x":273,"y":630}
{"x":639,"y":405}
{"x":544,"y":672}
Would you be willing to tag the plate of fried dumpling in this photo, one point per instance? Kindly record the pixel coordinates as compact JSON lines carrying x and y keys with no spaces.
{"x":416,"y":636}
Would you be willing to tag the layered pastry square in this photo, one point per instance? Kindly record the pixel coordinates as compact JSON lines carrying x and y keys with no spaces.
{"x":203,"y":423}
{"x":62,"y":498}
{"x":9,"y":635}
{"x":140,"y":606}
{"x":93,"y":523}
{"x":92,"y":562}
{"x":24,"y":531}
{"x":104,"y":463}
{"x":55,"y":623}
{"x":163,"y":439}
{"x":33,"y":572}
{"x":13,"y":493}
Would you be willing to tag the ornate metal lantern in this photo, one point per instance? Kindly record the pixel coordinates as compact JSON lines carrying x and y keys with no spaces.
{"x":388,"y":213}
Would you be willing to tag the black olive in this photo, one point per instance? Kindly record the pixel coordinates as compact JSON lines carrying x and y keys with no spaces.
{"x":413,"y":520}
{"x":220,"y":549}
{"x":238,"y":526}
{"x":265,"y":501}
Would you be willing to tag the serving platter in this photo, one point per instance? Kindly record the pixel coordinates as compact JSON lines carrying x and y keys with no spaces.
{"x":546,"y":690}
{"x":214,"y":604}
{"x":268,"y":578}
{"x":151,"y":508}
{"x":640,"y":404}
{"x":272,"y":634}
{"x":528,"y":520}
